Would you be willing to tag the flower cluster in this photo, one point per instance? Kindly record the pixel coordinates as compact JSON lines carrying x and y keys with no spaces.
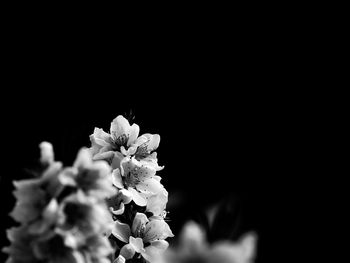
{"x":110,"y":206}
{"x":138,"y":207}
{"x":62,"y":214}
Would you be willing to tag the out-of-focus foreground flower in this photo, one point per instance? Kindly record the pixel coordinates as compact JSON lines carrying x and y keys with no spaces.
{"x":62,"y":214}
{"x":193,"y":247}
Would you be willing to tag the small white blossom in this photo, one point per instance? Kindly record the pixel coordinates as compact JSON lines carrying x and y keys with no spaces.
{"x":152,"y":231}
{"x":139,"y":178}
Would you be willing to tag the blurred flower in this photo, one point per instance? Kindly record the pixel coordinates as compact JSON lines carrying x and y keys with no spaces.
{"x":31,"y":200}
{"x":49,"y":217}
{"x":61,"y":223}
{"x":33,"y":195}
{"x":93,"y":177}
{"x":52,"y":248}
{"x":69,"y":232}
{"x":193,"y":247}
{"x":19,"y":250}
{"x":84,"y":215}
{"x":47,"y":154}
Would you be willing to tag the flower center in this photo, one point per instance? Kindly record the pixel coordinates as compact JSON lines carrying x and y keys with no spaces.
{"x":131,"y":180}
{"x":122,"y":140}
{"x":140,"y":231}
{"x":142,"y":151}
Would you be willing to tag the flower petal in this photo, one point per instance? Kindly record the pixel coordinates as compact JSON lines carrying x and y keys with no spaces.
{"x":47,"y":154}
{"x":153,"y":161}
{"x":95,"y":148}
{"x":141,"y":140}
{"x":153,"y":142}
{"x":192,"y":236}
{"x":156,"y":203}
{"x":154,"y":250}
{"x":139,"y":223}
{"x":121,"y":231}
{"x":147,"y":143}
{"x":78,"y":257}
{"x":133,"y":133}
{"x":119,"y":211}
{"x":67,"y":177}
{"x":150,"y":186}
{"x":137,"y":197}
{"x":127,"y":251}
{"x":50,"y":211}
{"x":242,"y":251}
{"x":119,"y":126}
{"x":125,"y":196}
{"x":160,"y":244}
{"x":101,"y":137}
{"x":84,"y":159}
{"x":137,"y":243}
{"x":125,"y":165}
{"x":117,"y":159}
{"x":117,"y":178}
{"x":157,"y":229}
{"x":119,"y":259}
{"x":140,"y":169}
{"x":103,"y":154}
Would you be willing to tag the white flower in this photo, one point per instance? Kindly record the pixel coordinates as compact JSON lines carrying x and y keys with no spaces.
{"x":135,"y":246}
{"x":143,"y":146}
{"x":103,"y":145}
{"x":122,"y":133}
{"x":156,"y":203}
{"x":152,"y":231}
{"x":123,"y":141}
{"x":150,"y":253}
{"x":149,"y":229}
{"x":139,"y":178}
